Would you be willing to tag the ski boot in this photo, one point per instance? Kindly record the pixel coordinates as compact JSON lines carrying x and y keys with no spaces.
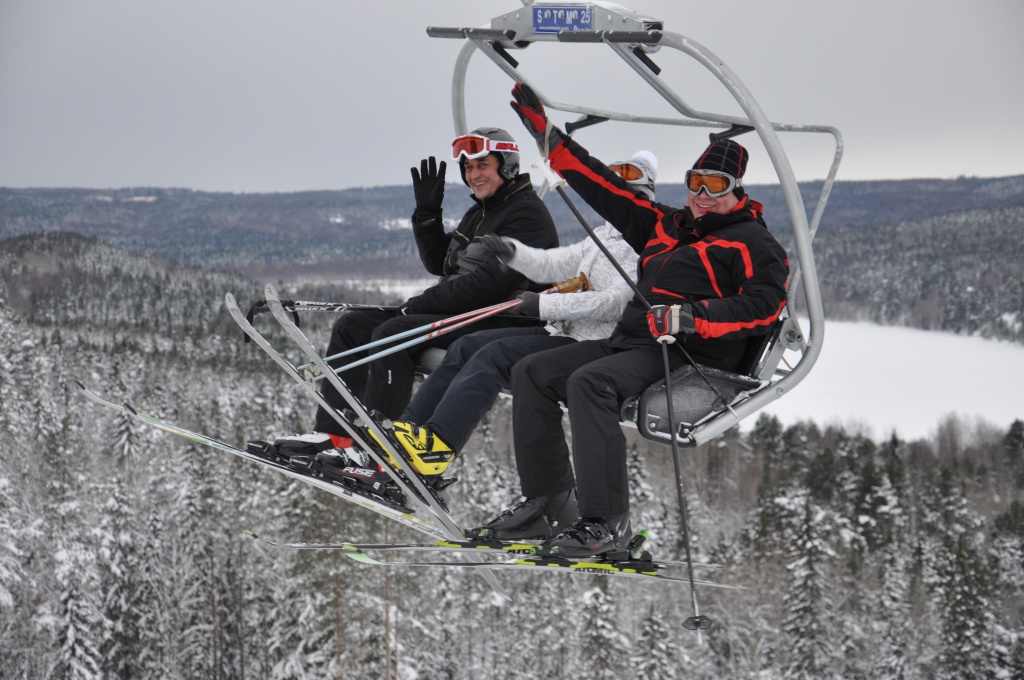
{"x":532,"y":518}
{"x":355,"y":469}
{"x":298,"y":451}
{"x":425,"y":452}
{"x":428,"y":453}
{"x":590,"y":537}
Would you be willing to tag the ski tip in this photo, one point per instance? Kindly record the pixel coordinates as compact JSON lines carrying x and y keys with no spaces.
{"x":644,"y":533}
{"x":131,"y":409}
{"x":79,"y":385}
{"x":251,"y":534}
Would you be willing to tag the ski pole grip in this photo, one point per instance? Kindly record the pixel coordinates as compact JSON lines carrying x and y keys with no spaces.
{"x":550,"y":176}
{"x":573,"y":285}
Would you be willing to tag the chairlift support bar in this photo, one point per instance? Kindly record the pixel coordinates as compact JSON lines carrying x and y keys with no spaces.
{"x":632,"y":36}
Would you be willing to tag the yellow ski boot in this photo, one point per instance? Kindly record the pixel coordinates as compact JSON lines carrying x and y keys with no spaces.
{"x":428,"y":453}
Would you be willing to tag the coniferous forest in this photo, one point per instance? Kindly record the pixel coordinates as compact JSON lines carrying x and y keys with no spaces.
{"x":123,"y":551}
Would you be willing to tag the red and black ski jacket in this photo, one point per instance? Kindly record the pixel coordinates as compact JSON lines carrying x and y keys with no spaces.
{"x":729,"y":267}
{"x":515,"y":210}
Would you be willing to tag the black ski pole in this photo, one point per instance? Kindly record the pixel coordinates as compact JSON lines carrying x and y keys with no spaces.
{"x":696,"y":622}
{"x":296,"y":306}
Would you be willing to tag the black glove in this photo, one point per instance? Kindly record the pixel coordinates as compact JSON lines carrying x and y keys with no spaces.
{"x":670,"y":319}
{"x":494,"y":246}
{"x":428,"y":186}
{"x":473,"y":258}
{"x":530,"y":305}
{"x":527,"y":104}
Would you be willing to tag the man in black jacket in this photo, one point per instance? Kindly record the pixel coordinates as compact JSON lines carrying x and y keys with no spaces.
{"x":715,"y":277}
{"x":505,"y":204}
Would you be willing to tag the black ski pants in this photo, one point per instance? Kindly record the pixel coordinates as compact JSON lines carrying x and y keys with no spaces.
{"x":385,"y":384}
{"x":464,"y":386}
{"x":592,"y":378}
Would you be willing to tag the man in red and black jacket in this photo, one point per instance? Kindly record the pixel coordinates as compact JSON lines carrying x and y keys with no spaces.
{"x":712,"y":276}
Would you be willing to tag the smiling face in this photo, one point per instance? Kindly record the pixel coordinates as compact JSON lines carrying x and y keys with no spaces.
{"x":702,"y":204}
{"x":483,"y":177}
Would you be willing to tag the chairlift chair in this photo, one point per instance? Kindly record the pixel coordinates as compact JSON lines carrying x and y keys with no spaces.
{"x":701,"y":411}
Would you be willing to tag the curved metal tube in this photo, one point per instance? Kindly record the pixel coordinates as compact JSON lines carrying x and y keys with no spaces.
{"x":804,"y":273}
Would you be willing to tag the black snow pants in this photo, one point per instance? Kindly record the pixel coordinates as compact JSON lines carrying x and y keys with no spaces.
{"x":385,"y":384}
{"x":592,"y":378}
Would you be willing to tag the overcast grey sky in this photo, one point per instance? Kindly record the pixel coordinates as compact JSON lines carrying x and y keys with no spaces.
{"x":288,"y":95}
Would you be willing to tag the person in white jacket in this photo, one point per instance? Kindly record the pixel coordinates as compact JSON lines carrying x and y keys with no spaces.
{"x":450,"y":403}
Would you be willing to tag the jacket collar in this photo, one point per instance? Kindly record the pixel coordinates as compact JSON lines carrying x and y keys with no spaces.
{"x":509,"y":188}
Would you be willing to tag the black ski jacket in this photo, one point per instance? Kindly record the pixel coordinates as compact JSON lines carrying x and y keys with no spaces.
{"x":515,"y":210}
{"x":729,"y":267}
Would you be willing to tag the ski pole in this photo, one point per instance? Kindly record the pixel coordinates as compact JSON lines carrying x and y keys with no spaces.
{"x":296,"y":306}
{"x":493,"y":309}
{"x":697,"y":621}
{"x":572,"y":285}
{"x":439,"y":327}
{"x":260,"y":307}
{"x":432,"y":330}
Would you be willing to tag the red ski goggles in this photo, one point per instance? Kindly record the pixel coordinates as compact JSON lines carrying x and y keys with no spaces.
{"x":713,"y":182}
{"x":476,"y":146}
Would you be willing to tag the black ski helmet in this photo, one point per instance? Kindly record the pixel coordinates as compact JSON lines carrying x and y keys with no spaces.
{"x":508,"y":161}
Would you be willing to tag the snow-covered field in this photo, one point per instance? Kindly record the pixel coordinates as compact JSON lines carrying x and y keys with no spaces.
{"x":883,"y":379}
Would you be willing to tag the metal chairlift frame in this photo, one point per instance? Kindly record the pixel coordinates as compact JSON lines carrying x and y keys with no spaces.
{"x":633,"y":36}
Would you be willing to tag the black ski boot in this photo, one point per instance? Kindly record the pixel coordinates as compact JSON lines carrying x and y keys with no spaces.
{"x":297,"y":451}
{"x":590,"y":537}
{"x":540,"y":517}
{"x":356,"y":470}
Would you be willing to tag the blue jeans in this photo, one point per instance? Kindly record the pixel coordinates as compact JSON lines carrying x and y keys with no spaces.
{"x":453,"y":399}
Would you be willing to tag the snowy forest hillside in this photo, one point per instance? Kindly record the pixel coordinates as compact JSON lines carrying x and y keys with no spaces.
{"x":123,"y":552}
{"x":933,"y":254}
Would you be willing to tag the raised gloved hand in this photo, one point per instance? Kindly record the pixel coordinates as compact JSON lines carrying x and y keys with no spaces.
{"x":669,"y":320}
{"x":494,"y":246}
{"x":428,"y":187}
{"x":527,"y":104}
{"x":530,"y":305}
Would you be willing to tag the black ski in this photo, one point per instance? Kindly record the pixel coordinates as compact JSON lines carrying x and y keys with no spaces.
{"x":633,"y":568}
{"x":479,"y":547}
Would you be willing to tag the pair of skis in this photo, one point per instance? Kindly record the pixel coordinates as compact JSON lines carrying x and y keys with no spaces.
{"x":632,"y":562}
{"x":423,"y":510}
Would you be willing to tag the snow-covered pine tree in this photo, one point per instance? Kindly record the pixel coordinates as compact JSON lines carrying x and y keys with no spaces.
{"x":120,"y":582}
{"x":890,"y":654}
{"x":968,"y":645}
{"x":603,"y":645}
{"x":808,"y":598}
{"x":652,"y":651}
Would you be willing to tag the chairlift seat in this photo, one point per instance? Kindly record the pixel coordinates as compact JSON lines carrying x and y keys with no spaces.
{"x":693,"y":400}
{"x":429,"y":359}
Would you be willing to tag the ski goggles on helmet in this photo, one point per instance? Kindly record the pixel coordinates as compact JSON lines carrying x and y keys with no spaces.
{"x":627,"y":171}
{"x":637,"y":175}
{"x":477,"y":146}
{"x":713,"y":182}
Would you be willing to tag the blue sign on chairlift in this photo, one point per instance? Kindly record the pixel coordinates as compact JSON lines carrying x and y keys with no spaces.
{"x":555,"y":18}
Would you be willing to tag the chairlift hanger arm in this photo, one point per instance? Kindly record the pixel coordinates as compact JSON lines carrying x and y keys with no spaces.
{"x":694,"y":118}
{"x":633,"y":36}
